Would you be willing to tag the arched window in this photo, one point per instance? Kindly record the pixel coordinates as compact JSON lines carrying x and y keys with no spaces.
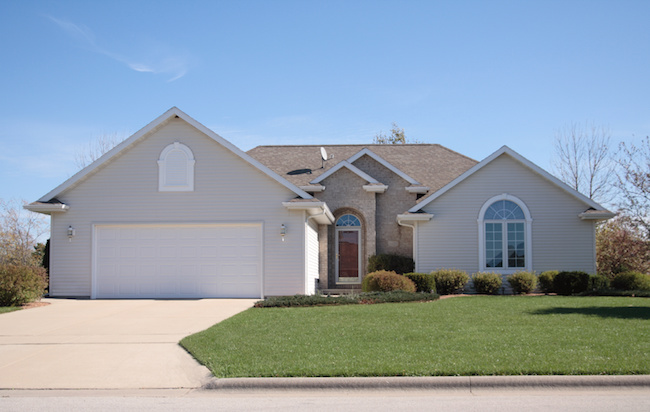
{"x":348,"y":249}
{"x":505,"y":235}
{"x":176,"y":169}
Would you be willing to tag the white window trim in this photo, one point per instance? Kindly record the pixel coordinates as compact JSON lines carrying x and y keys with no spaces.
{"x":528,"y":247}
{"x":162,"y":169}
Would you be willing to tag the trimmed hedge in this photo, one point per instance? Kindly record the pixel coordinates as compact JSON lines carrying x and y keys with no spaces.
{"x":424,"y":282}
{"x":449,"y":281}
{"x":385,"y":281}
{"x":545,"y":280}
{"x":487,"y":283}
{"x":598,"y":282}
{"x":522,"y":282}
{"x":571,"y":283}
{"x":20,"y":284}
{"x":631,"y":281}
{"x":362,"y":298}
{"x":390,"y":263}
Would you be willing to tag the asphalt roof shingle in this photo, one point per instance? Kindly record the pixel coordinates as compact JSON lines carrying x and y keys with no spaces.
{"x":431,"y":165}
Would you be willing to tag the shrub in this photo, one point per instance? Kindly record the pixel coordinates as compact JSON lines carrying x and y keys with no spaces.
{"x":621,"y":247}
{"x":424,"y":282}
{"x":20,"y":284}
{"x":487,"y":282}
{"x":362,"y":298}
{"x":449,"y":281}
{"x":522,"y":282}
{"x":385,"y":281}
{"x":598,"y":282}
{"x":571,"y":283}
{"x":394,"y":263}
{"x":545,"y":280}
{"x":631,"y":281}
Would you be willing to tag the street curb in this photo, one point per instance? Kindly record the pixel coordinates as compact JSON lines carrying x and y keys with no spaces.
{"x":432,"y":383}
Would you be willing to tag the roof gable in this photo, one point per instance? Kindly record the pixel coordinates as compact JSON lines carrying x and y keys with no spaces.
{"x":350,"y":167}
{"x":431,"y":165}
{"x":383,"y":162}
{"x":505,"y":150}
{"x":151,"y":127}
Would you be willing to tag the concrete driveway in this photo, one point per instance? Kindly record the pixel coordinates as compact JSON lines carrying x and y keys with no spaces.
{"x":107,"y":344}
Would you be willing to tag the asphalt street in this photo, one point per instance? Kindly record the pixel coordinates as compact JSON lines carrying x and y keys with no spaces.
{"x":629,"y":400}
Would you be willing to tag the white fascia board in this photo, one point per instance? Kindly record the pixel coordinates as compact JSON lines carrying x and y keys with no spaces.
{"x":174,"y":111}
{"x":597,"y":215}
{"x":349,"y":166}
{"x":417,"y":189}
{"x":313,"y":188}
{"x":243,"y":155}
{"x":321,"y":212}
{"x":506,"y":150}
{"x":47,"y":208}
{"x":414,"y":217}
{"x":385,"y":163}
{"x":375,"y":188}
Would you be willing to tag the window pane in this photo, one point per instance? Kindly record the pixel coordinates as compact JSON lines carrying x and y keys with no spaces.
{"x":504,"y":209}
{"x":493,"y":245}
{"x":516,"y":245}
{"x":348,"y":220}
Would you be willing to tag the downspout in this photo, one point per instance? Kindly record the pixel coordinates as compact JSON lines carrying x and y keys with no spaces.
{"x":413,"y":226}
{"x":313,"y":216}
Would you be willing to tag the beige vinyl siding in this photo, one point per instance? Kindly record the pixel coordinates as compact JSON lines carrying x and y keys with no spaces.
{"x":560,"y":239}
{"x":312,"y":257}
{"x":226,"y":189}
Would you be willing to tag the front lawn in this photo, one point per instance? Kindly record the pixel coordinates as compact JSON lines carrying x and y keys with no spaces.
{"x":4,"y":309}
{"x":478,"y":335}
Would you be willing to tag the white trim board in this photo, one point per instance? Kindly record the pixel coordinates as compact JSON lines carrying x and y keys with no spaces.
{"x":516,"y":156}
{"x":384,"y":163}
{"x":158,"y":122}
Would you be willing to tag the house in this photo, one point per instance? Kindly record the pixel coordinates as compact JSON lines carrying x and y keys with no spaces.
{"x":177,"y":211}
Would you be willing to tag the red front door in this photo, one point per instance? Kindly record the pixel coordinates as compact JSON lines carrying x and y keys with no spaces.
{"x":348,"y":255}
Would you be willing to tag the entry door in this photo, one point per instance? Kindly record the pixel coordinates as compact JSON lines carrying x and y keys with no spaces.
{"x":349,"y":262}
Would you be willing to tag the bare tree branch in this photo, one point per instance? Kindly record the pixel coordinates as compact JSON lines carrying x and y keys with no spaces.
{"x":96,"y":148}
{"x":19,"y":229}
{"x":634,"y":182}
{"x":584,"y":160}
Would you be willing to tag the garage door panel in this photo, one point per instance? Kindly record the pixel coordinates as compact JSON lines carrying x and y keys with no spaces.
{"x":190,"y":261}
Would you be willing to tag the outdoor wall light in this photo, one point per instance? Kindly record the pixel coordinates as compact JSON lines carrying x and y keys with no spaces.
{"x":71,"y":233}
{"x":283,"y":231}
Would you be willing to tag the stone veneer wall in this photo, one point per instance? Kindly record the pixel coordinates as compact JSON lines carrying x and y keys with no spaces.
{"x":344,"y":193}
{"x":391,"y":237}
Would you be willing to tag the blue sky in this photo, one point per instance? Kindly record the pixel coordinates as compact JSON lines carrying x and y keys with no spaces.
{"x":470,"y":75}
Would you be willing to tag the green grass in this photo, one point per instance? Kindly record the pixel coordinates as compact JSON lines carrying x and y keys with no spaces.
{"x":482,"y":335}
{"x":5,"y":309}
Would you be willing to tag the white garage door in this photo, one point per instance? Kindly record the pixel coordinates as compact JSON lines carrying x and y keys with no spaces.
{"x":177,"y":261}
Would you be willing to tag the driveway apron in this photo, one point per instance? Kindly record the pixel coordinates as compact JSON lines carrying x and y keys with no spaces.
{"x":107,"y":344}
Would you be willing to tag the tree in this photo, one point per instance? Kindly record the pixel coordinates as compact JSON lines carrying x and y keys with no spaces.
{"x":584,"y":160}
{"x":634,"y":183}
{"x":96,"y":148}
{"x":19,"y":229}
{"x":396,"y":136}
{"x":621,"y":247}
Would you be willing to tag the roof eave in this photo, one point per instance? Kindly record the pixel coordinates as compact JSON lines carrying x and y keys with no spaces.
{"x":47,"y":208}
{"x":319,"y":211}
{"x":414,"y":217}
{"x":597,"y":215}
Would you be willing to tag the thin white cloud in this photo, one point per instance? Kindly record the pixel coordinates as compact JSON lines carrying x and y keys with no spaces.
{"x":159,"y":61}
